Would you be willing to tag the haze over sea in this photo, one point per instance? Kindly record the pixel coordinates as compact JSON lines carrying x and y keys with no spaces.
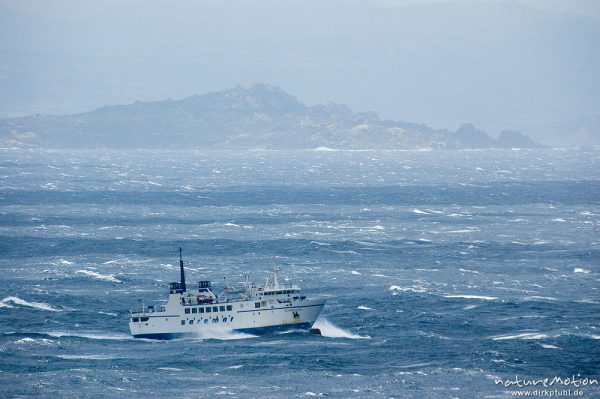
{"x":445,"y":271}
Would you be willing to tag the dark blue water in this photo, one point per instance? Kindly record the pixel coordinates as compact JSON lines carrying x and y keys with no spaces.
{"x":445,"y":271}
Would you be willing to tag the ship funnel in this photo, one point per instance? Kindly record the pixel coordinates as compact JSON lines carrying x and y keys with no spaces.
{"x":182,"y":272}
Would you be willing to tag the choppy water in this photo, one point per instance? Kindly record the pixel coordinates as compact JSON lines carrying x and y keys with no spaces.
{"x":445,"y":270}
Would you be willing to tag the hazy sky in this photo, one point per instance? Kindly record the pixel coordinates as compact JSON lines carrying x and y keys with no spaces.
{"x":590,"y":8}
{"x":79,"y":8}
{"x":529,"y":65}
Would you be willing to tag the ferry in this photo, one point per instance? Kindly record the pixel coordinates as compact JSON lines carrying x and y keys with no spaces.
{"x":251,"y":309}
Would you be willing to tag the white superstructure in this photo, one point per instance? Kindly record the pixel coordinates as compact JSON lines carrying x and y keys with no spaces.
{"x":254,"y":309}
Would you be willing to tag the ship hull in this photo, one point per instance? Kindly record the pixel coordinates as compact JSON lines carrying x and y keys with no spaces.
{"x":243,"y":317}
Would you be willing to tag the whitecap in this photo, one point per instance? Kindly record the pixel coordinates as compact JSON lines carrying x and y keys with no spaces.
{"x":104,"y":277}
{"x":86,"y":357}
{"x":462,"y":231}
{"x":364,"y":308}
{"x":330,"y":330}
{"x":25,"y":341}
{"x":220,"y":333}
{"x":41,"y":341}
{"x":530,"y":335}
{"x":18,"y":301}
{"x":237,"y":366}
{"x":108,"y":337}
{"x":395,"y":289}
{"x":587,"y":300}
{"x":539,"y":298}
{"x":456,"y":215}
{"x":64,"y":262}
{"x":548,"y":346}
{"x":482,"y":297}
{"x":419,"y":212}
{"x":434,"y":211}
{"x":469,"y":271}
{"x":580,"y":270}
{"x":108,"y":313}
{"x":355,"y":273}
{"x":346,"y":252}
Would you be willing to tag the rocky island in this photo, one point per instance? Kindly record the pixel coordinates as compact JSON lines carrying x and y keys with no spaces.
{"x":255,"y":117}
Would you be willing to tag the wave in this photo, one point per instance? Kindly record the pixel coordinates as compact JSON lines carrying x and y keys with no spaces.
{"x":396,"y":289}
{"x":539,"y":298}
{"x":364,"y":308}
{"x":127,"y":261}
{"x":468,"y":271}
{"x":320,"y":243}
{"x":463,"y":231}
{"x":548,"y":346}
{"x":223,"y":334}
{"x":41,"y":341}
{"x":587,"y":300}
{"x":420,"y":212}
{"x":529,"y":335}
{"x":95,"y":336}
{"x":104,"y":277}
{"x":482,"y":297}
{"x":580,"y":270}
{"x":5,"y":303}
{"x":434,"y":211}
{"x":86,"y":357}
{"x":330,"y":330}
{"x":108,"y":313}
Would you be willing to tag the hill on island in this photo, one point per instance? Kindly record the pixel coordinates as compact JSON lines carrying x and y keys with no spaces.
{"x":259,"y":116}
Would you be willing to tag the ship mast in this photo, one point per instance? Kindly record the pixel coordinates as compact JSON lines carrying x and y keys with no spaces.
{"x":181,"y":272}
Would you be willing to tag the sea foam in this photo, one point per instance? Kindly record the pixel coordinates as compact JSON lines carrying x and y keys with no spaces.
{"x":330,"y":330}
{"x":530,"y":335}
{"x":104,"y":277}
{"x":482,"y":297}
{"x":5,"y":303}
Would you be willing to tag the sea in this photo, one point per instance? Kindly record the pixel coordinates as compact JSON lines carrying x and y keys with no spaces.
{"x":449,"y":274}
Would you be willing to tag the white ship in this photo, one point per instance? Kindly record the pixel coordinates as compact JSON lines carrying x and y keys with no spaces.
{"x":252,"y":309}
